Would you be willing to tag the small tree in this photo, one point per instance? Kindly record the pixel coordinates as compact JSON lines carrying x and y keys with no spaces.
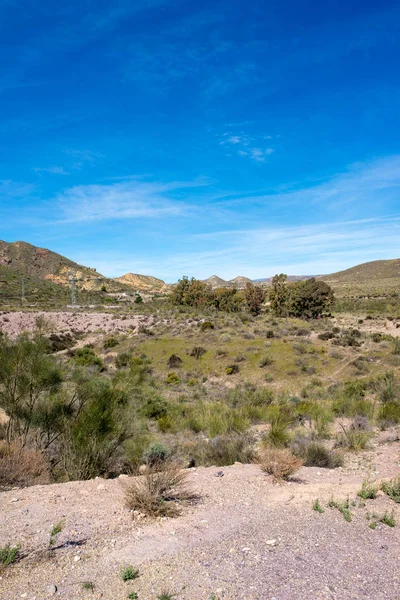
{"x":311,"y":298}
{"x":279,"y":294}
{"x":254,"y":296}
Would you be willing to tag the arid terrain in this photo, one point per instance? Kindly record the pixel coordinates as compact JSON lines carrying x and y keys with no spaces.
{"x":245,"y":538}
{"x":201,"y":445}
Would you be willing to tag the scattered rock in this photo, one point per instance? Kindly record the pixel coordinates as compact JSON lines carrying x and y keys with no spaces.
{"x":51,"y":589}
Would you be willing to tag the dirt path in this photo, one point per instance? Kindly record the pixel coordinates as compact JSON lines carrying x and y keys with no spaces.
{"x":247,"y":539}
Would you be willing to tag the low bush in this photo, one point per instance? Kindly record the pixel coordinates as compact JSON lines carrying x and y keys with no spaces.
{"x":224,"y":450}
{"x":174,"y":361}
{"x":206,"y":325}
{"x":173,"y":379}
{"x":110,"y":342}
{"x":280,"y":463}
{"x":158,"y":492}
{"x":232,"y":369}
{"x":123,"y":359}
{"x":266,"y":361}
{"x":392,"y":488}
{"x":198,"y":352}
{"x":353,"y":440}
{"x":86,"y":357}
{"x":157,"y":454}
{"x":20,"y":467}
{"x":315,"y":454}
{"x":368,"y":490}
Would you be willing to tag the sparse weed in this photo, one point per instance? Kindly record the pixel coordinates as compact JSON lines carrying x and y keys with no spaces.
{"x":9,"y":554}
{"x":388,"y":518}
{"x":317,"y":506}
{"x":392,"y":488}
{"x":88,"y":586}
{"x":128,"y":573}
{"x":165,"y":595}
{"x":368,"y":490}
{"x":341,"y":506}
{"x":55,"y":531}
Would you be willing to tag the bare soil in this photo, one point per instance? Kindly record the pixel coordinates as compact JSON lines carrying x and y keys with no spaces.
{"x":247,"y":538}
{"x":14,"y":323}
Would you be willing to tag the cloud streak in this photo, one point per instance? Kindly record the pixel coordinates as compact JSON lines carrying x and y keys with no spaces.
{"x":248,"y":146}
{"x":129,"y":199}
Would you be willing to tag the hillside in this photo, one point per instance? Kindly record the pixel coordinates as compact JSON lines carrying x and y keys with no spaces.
{"x":371,"y":278}
{"x":215,"y":282}
{"x":239,"y":281}
{"x":44,"y":264}
{"x":143,"y":283}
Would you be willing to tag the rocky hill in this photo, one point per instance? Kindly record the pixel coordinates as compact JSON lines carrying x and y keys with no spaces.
{"x":43,"y":264}
{"x":215,"y":282}
{"x":239,"y":281}
{"x":371,"y":278}
{"x":143,"y":283}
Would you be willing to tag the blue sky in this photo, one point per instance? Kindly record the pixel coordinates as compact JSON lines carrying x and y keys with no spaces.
{"x":189,"y":138}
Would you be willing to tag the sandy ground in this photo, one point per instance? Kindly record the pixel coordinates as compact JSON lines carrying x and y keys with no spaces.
{"x":247,"y":538}
{"x":13,"y":323}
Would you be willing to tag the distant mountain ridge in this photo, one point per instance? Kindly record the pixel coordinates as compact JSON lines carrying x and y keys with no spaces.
{"x":143,"y":283}
{"x":24,"y":259}
{"x":43,"y":267}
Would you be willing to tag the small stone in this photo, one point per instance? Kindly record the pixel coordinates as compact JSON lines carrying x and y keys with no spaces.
{"x":14,"y":500}
{"x":102,"y":487}
{"x":51,"y":589}
{"x":77,"y":558}
{"x":271,"y":542}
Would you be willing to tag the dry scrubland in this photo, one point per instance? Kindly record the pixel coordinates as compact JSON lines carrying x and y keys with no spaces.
{"x":277,"y":422}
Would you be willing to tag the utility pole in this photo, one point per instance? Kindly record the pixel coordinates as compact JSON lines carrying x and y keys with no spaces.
{"x":73,"y":291}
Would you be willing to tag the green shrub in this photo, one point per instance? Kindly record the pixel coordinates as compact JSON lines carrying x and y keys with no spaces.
{"x":110,"y":342}
{"x":123,"y":359}
{"x":315,"y":454}
{"x":174,"y":361}
{"x":224,"y":450}
{"x":198,"y":352}
{"x":266,"y":361}
{"x":173,"y":379}
{"x":317,"y":506}
{"x":232,"y":369}
{"x":87,"y":357}
{"x":368,"y":490}
{"x":353,"y":440}
{"x":207,"y":325}
{"x":392,"y":488}
{"x":128,"y":573}
{"x":389,"y":414}
{"x":156,"y":454}
{"x":341,"y":506}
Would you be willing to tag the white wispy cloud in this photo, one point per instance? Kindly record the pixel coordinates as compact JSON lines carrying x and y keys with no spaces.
{"x":53,"y":170}
{"x":249,"y":146}
{"x":128,"y":199}
{"x":10,"y":189}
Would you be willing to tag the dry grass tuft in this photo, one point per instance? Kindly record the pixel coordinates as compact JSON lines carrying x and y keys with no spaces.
{"x":159,"y":492}
{"x":281,"y":463}
{"x":21,"y":467}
